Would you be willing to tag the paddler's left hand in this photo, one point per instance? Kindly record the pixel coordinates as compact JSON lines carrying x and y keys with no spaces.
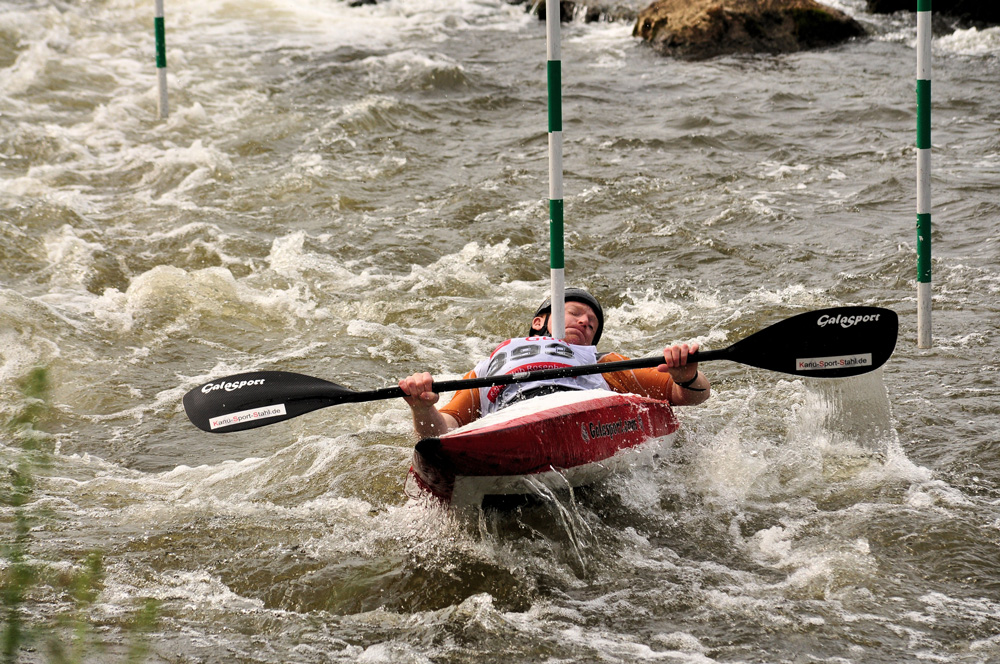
{"x":696,"y":385}
{"x":675,"y":362}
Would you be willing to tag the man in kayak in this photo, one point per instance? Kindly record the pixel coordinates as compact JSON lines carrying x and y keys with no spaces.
{"x":676,"y":380}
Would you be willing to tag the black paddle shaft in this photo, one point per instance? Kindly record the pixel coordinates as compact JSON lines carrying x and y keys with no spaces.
{"x":829,"y":343}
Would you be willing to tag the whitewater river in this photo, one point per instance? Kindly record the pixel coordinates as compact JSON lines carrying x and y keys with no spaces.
{"x":360,"y":193}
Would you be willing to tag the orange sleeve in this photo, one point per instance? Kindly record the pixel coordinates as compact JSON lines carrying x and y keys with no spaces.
{"x":464,"y":406}
{"x":644,"y":382}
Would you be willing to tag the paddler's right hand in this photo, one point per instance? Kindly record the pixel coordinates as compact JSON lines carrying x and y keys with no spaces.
{"x":418,"y":388}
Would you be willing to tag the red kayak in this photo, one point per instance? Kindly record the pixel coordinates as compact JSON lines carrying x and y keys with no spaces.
{"x":574,"y":438}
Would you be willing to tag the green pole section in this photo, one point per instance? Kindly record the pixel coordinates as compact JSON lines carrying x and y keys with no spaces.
{"x":161,"y":42}
{"x":554,"y":74}
{"x":557,"y":258}
{"x":924,"y":294}
{"x":160,"y":32}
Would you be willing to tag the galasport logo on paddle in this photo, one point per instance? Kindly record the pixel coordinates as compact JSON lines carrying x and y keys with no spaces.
{"x":846,"y":321}
{"x":230,"y":387}
{"x":838,"y":361}
{"x":592,"y":430}
{"x":254,"y":414}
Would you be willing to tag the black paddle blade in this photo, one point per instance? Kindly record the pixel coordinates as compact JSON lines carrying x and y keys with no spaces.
{"x":827,"y":343}
{"x":259,"y":398}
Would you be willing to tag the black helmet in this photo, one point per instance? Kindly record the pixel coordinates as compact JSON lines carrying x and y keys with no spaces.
{"x":575,"y":295}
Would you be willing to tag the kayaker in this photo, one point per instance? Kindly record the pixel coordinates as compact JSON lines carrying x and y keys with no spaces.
{"x":676,"y":380}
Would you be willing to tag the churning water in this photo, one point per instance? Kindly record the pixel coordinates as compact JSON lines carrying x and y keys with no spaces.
{"x":360,"y":193}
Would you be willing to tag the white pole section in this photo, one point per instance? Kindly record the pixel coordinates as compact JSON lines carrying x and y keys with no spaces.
{"x":924,"y":174}
{"x":556,"y":256}
{"x":161,"y":57}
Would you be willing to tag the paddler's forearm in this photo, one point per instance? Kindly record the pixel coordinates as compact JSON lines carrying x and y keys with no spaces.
{"x":430,"y":422}
{"x":692,"y":393}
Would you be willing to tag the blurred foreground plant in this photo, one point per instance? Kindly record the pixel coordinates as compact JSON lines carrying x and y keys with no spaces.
{"x":25,"y":581}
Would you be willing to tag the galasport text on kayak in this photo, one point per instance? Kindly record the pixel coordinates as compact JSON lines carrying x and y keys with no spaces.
{"x":606,"y":430}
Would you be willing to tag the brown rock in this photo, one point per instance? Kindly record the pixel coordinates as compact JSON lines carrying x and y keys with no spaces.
{"x":706,"y":28}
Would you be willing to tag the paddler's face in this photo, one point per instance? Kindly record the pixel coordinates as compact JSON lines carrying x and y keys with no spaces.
{"x":581,"y":323}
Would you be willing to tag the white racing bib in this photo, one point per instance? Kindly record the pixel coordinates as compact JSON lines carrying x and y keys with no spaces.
{"x":533,"y":354}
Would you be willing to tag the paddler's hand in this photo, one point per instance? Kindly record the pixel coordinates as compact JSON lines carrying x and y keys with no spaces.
{"x":427,"y":420}
{"x":675,"y":362}
{"x":690,"y":385}
{"x":418,"y":388}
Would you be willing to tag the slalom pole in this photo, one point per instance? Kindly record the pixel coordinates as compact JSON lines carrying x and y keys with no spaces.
{"x":161,"y":57}
{"x":924,"y":174}
{"x":557,"y":263}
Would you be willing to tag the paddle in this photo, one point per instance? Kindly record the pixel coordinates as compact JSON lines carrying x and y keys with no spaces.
{"x":828,"y":343}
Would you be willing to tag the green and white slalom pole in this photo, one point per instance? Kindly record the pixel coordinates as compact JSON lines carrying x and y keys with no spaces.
{"x":161,"y":57}
{"x":556,"y":256}
{"x":923,"y":173}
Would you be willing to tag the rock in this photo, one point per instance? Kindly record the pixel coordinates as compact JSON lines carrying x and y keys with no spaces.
{"x":890,"y":6}
{"x":567,"y":8}
{"x":975,"y":11}
{"x":699,"y":29}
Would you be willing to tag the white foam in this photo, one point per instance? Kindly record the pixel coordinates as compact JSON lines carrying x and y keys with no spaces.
{"x":298,"y":254}
{"x":469,"y":266}
{"x":167,"y":293}
{"x":932,"y":494}
{"x":971,"y":42}
{"x":70,"y":257}
{"x":849,"y":7}
{"x":681,"y":641}
{"x":777,"y":171}
{"x":31,"y":62}
{"x":605,"y":44}
{"x":392,"y":652}
{"x":197,"y":590}
{"x":621,"y":647}
{"x":333,"y":25}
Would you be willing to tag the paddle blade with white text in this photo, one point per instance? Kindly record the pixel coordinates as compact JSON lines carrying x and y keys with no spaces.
{"x":258,"y":398}
{"x":828,"y":343}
